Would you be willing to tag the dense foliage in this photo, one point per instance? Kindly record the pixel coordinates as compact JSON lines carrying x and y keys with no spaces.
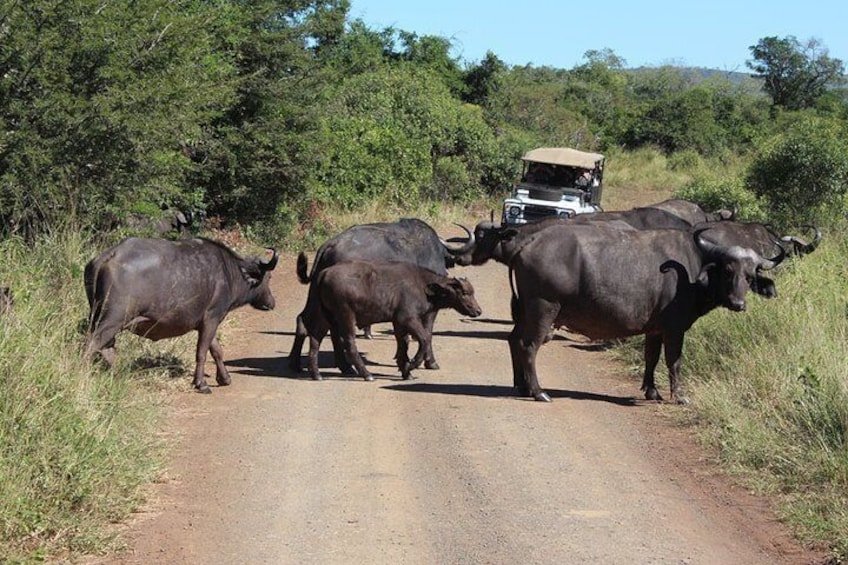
{"x":269,"y":112}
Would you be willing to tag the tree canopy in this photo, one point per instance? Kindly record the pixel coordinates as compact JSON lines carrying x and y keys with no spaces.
{"x":264,"y":111}
{"x":795,"y":74}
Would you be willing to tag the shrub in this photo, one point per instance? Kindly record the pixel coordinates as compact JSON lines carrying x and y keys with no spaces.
{"x":802,"y":175}
{"x":727,"y":193}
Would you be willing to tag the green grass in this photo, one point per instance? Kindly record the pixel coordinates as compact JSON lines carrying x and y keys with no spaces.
{"x":77,"y":443}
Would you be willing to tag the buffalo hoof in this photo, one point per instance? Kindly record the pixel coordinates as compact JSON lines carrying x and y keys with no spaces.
{"x":368,"y":377}
{"x":317,"y":377}
{"x":203,"y":389}
{"x":542,"y":397}
{"x":224,"y":381}
{"x":408,"y":377}
{"x":432,"y":365}
{"x":653,"y":394}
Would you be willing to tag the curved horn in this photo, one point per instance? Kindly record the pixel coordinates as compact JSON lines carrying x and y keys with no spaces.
{"x":466,"y":247}
{"x":810,"y":247}
{"x":767,"y":264}
{"x":270,"y":263}
{"x":800,"y":246}
{"x":706,"y":246}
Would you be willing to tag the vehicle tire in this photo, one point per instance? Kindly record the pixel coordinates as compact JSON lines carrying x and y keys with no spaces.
{"x":547,"y":194}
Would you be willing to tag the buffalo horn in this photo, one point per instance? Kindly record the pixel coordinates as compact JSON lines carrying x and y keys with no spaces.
{"x":466,"y":247}
{"x":706,"y":246}
{"x":272,"y":262}
{"x":766,"y":264}
{"x":810,"y":247}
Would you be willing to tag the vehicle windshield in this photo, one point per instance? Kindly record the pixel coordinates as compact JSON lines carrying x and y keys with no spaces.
{"x":552,"y":175}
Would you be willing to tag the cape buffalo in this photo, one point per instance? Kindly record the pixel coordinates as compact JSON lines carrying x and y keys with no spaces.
{"x":357,"y":293}
{"x":610,"y":283}
{"x":408,"y":240}
{"x":158,"y":289}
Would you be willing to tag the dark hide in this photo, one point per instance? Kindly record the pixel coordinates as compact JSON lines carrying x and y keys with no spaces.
{"x":359,"y":293}
{"x":408,"y":240}
{"x":159,"y":289}
{"x":607,"y":283}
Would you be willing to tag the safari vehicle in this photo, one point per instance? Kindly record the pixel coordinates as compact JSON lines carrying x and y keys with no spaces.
{"x":555,"y":181}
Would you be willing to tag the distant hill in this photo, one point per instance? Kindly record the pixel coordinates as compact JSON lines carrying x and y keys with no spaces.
{"x":700,"y":74}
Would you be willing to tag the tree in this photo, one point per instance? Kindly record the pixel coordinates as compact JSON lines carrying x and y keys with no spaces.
{"x":795,"y":75}
{"x":95,"y":99}
{"x":803,"y":173}
{"x":484,"y":79}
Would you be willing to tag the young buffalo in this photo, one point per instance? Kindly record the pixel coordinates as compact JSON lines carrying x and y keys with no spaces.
{"x":360,"y":293}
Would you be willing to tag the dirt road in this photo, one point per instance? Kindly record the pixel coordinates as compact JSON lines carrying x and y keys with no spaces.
{"x":446,"y":469}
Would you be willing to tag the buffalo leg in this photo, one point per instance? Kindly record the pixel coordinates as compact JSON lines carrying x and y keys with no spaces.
{"x":339,"y":354}
{"x":222,"y":375}
{"x":673,"y":344}
{"x":101,"y":338}
{"x":429,"y":358}
{"x":417,"y":329}
{"x":347,"y":334}
{"x":316,"y":330}
{"x":297,"y":346}
{"x":205,"y":336}
{"x":106,"y":350}
{"x":653,"y":345}
{"x":534,"y":320}
{"x":402,"y":354}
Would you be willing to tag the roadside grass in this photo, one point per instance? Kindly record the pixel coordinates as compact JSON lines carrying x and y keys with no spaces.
{"x":77,"y":442}
{"x":770,"y":392}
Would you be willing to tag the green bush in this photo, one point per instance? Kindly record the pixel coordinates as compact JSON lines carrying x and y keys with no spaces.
{"x":802,"y":175}
{"x":723,"y":193}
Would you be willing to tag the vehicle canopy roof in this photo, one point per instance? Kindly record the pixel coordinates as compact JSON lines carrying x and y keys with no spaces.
{"x":563,"y":156}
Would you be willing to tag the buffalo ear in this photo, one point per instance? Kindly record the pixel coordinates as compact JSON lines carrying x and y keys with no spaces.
{"x":251,"y":272}
{"x":764,"y":286}
{"x":436,"y":289}
{"x":508,"y":234}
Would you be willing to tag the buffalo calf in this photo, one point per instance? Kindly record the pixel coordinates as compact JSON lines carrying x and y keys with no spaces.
{"x":360,"y":293}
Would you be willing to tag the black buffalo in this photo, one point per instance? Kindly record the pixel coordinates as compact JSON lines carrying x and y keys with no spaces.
{"x":607,"y":283}
{"x":760,"y":237}
{"x":408,"y":240}
{"x":668,"y":214}
{"x":357,"y":293}
{"x":158,"y":289}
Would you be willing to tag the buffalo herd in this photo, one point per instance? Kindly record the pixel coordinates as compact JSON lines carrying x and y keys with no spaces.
{"x":649,"y":271}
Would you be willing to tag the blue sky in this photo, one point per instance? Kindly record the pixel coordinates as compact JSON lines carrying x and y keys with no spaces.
{"x":714,"y":34}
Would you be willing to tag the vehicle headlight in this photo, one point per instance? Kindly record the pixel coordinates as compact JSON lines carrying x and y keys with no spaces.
{"x":514,"y":211}
{"x":565,"y":213}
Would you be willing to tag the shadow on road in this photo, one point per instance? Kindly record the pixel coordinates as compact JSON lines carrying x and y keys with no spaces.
{"x":278,"y":367}
{"x":490,"y":391}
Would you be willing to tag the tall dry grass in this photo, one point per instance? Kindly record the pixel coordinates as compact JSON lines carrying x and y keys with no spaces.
{"x":77,"y":443}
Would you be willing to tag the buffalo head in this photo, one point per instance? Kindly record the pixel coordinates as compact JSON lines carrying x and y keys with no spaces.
{"x":455,"y":293}
{"x":729,"y":271}
{"x":482,"y":244}
{"x":255,"y":272}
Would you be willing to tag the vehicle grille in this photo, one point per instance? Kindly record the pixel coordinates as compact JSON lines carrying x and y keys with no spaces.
{"x":532,"y":213}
